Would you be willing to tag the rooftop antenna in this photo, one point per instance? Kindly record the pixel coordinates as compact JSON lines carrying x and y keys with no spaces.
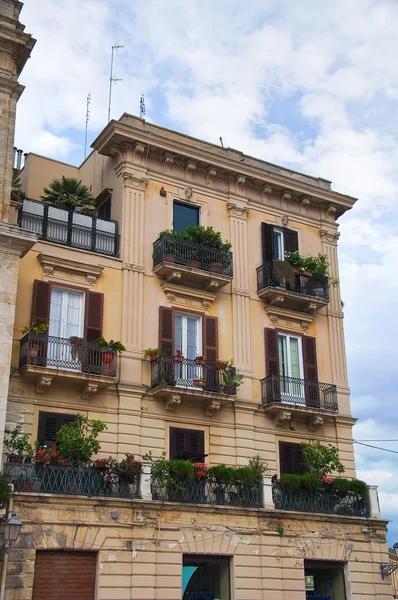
{"x":112,"y":80}
{"x":87,"y":120}
{"x":142,"y":106}
{"x":221,"y":142}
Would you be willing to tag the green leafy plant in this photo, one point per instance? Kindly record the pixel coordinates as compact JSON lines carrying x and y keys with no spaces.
{"x":221,"y":474}
{"x":310,"y":482}
{"x":33,"y":327}
{"x":230,"y":377}
{"x":130,"y":465}
{"x":111,"y":344}
{"x":149,"y":352}
{"x":197,"y":233}
{"x":4,"y":490}
{"x":166,"y":378}
{"x":68,"y":192}
{"x":259,"y":467}
{"x":17,"y":195}
{"x":16,"y":442}
{"x":291,"y":481}
{"x":244,"y":475}
{"x":279,"y":529}
{"x":181,"y":468}
{"x":315,"y":264}
{"x":322,"y":460}
{"x":77,"y":440}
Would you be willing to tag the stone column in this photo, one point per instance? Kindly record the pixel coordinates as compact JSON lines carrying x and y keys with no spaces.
{"x":14,"y":243}
{"x":129,"y":168}
{"x":15,"y":49}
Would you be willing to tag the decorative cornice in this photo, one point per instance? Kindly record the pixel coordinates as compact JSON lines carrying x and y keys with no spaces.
{"x":168,"y":161}
{"x":188,"y":297}
{"x":132,"y":267}
{"x":53,"y":264}
{"x":134,"y":181}
{"x":235,"y":210}
{"x":210,"y":175}
{"x":14,"y":240}
{"x":288,"y":319}
{"x":329,"y":236}
{"x":190,"y":169}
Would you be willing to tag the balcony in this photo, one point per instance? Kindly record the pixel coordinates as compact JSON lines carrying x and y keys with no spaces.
{"x":190,"y":263}
{"x":307,"y":292}
{"x":71,"y":481}
{"x":49,"y":357}
{"x":70,"y":228}
{"x":323,"y":500}
{"x":177,"y":378}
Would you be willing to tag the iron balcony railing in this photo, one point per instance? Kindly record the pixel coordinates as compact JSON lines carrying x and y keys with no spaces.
{"x":70,"y":228}
{"x":202,"y":491}
{"x":42,"y":350}
{"x":300,"y":392}
{"x":72,"y":481}
{"x":323,"y":500}
{"x":191,"y":254}
{"x":187,"y":373}
{"x":309,"y":285}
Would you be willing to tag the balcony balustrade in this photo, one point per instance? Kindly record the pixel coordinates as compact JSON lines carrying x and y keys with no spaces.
{"x":293,"y":392}
{"x":323,"y":500}
{"x":70,"y":228}
{"x":187,"y":262}
{"x":308,"y":292}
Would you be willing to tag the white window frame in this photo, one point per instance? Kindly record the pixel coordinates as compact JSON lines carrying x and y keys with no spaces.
{"x":187,"y":371}
{"x":289,"y":389}
{"x":62,"y":351}
{"x":278,"y":231}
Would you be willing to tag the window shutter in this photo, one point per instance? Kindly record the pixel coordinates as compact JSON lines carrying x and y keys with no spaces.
{"x":309,"y":359}
{"x":291,"y":458}
{"x":166,"y":330}
{"x":93,"y":316}
{"x":290,"y":239}
{"x":267,"y":237}
{"x":41,"y":302}
{"x":271,"y":352}
{"x":50,"y":424}
{"x":210,"y":339}
{"x":187,"y":444}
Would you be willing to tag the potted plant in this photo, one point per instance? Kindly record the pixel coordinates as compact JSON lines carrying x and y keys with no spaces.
{"x":77,"y":440}
{"x":166,"y":378}
{"x":78,"y":348}
{"x":178,"y":357}
{"x":199,"y":360}
{"x":130,"y":466}
{"x":231,"y":379}
{"x":221,"y":364}
{"x":34,"y":346}
{"x":16,"y":445}
{"x":100,"y":463}
{"x":109,"y":350}
{"x":152,"y":354}
{"x":221,"y":477}
{"x":200,"y":469}
{"x":168,"y":236}
{"x":200,"y":382}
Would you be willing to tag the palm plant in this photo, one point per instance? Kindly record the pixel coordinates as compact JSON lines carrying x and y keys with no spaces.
{"x":68,"y":192}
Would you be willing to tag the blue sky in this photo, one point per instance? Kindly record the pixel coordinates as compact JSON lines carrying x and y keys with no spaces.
{"x":309,"y":85}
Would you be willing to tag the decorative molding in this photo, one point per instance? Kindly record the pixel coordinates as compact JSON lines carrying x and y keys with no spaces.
{"x":329,"y":236}
{"x":213,"y":286}
{"x":89,"y":390}
{"x":277,"y":300}
{"x":63,"y":268}
{"x":132,"y":267}
{"x":285,"y":197}
{"x":206,"y":305}
{"x":188,"y":193}
{"x":168,"y":161}
{"x":190,"y":169}
{"x":172,"y":400}
{"x":281,"y":417}
{"x":43,"y":383}
{"x":315,"y":422}
{"x":171,"y":298}
{"x":285,"y":220}
{"x":173,"y":276}
{"x":305,"y":326}
{"x":289,"y":319}
{"x":304,"y":203}
{"x":238,"y":211}
{"x":184,"y":296}
{"x":139,"y":183}
{"x":240,"y":185}
{"x":241,"y":292}
{"x":212,"y":407}
{"x":330,"y":212}
{"x":210,"y":175}
{"x":139,"y":150}
{"x":311,"y":307}
{"x":266,"y":191}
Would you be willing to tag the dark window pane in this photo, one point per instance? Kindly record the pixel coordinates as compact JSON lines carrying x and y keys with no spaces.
{"x":104,"y":212}
{"x":184,"y":215}
{"x":205,"y":578}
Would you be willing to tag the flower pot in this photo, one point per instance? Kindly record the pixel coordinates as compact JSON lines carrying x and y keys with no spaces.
{"x":107,"y":357}
{"x":194,"y":264}
{"x":199,"y":383}
{"x":200,"y":361}
{"x":169,"y":258}
{"x":43,"y":460}
{"x":33,"y":352}
{"x":200,"y":472}
{"x":100,"y":463}
{"x":15,"y":458}
{"x":178,"y":358}
{"x":216,"y":267}
{"x":153,"y":357}
{"x":220,"y":364}
{"x":229,"y":390}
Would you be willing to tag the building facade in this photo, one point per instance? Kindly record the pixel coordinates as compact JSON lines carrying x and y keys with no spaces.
{"x":113,"y":275}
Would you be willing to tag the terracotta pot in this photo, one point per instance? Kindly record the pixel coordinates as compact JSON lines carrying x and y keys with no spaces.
{"x":200,"y":361}
{"x":194,"y":264}
{"x":169,"y":258}
{"x":200,"y":472}
{"x":220,"y":364}
{"x":153,"y":357}
{"x":100,"y":463}
{"x":178,"y":358}
{"x":229,"y":390}
{"x":15,"y":458}
{"x":33,"y":352}
{"x":216,"y":267}
{"x":199,"y":383}
{"x":107,"y":357}
{"x":42,"y":460}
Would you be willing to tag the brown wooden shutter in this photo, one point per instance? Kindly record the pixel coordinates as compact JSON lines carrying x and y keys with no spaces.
{"x":93,"y":316}
{"x":267,"y":239}
{"x":290,"y":238}
{"x":166,"y":330}
{"x":210,"y":339}
{"x":64,"y":575}
{"x":271,"y":352}
{"x":49,"y":425}
{"x":309,"y":359}
{"x":41,"y":302}
{"x":291,"y":458}
{"x":187,"y":443}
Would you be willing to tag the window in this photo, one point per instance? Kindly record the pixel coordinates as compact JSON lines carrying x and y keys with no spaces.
{"x":324,"y":580}
{"x":104,"y":212}
{"x":205,"y":578}
{"x":184,"y":216}
{"x":291,"y":458}
{"x":66,"y":313}
{"x":187,"y":444}
{"x":291,"y":365}
{"x":49,"y":425}
{"x":276,"y":241}
{"x":188,"y":335}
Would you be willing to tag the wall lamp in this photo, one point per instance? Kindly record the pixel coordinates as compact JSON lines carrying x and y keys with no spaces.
{"x":11,"y":529}
{"x":388,"y":568}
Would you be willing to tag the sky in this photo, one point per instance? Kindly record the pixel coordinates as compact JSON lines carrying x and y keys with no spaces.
{"x":308,"y":85}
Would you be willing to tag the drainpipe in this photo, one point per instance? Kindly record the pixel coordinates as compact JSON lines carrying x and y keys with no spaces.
{"x":5,"y":559}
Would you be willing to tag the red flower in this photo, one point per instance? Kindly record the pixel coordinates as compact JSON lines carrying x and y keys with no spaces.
{"x":64,"y":463}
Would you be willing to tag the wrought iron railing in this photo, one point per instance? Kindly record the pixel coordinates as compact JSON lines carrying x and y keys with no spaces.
{"x":42,"y":350}
{"x":191,"y":254}
{"x":70,"y":228}
{"x":323,"y":500}
{"x":301,"y":392}
{"x":309,"y":285}
{"x":72,"y":481}
{"x":203,"y":491}
{"x":183,"y":372}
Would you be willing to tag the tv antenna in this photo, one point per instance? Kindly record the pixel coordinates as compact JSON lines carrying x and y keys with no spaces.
{"x":112,"y":80}
{"x":87,"y":120}
{"x":142,"y":107}
{"x":221,"y":142}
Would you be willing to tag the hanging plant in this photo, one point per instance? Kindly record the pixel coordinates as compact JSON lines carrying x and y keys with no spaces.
{"x":282,"y":272}
{"x":78,"y":348}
